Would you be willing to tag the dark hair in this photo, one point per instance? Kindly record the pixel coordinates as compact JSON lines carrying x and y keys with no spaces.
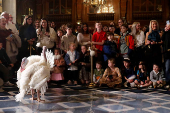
{"x":110,"y":33}
{"x":87,"y":32}
{"x":121,"y":19}
{"x":69,"y":26}
{"x":112,"y":26}
{"x":125,"y":25}
{"x":60,"y":30}
{"x":85,"y":46}
{"x":78,"y":25}
{"x":47,"y":29}
{"x":144,"y":67}
{"x":157,"y":64}
{"x":29,"y":16}
{"x":58,"y":49}
{"x":99,"y":62}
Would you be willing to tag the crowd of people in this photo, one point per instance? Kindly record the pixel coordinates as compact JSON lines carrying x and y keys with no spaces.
{"x":125,"y":55}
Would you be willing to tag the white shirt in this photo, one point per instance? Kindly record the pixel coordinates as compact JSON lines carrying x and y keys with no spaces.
{"x":139,"y":39}
{"x":12,"y":27}
{"x":72,"y":59}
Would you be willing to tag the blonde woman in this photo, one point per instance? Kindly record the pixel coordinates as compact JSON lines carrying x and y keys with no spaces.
{"x":153,"y":42}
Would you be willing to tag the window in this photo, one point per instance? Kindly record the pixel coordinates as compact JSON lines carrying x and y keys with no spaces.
{"x":60,"y":6}
{"x":147,"y":5}
{"x":107,"y":8}
{"x":147,"y":9}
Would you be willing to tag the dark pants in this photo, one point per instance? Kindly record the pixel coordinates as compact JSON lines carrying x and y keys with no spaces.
{"x":5,"y":73}
{"x":73,"y":75}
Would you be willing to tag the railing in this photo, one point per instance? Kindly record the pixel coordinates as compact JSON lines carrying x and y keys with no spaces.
{"x":147,"y":15}
{"x":60,"y":18}
{"x":101,"y":17}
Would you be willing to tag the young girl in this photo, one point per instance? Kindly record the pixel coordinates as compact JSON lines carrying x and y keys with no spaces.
{"x":98,"y":72}
{"x":112,"y":76}
{"x":59,"y":62}
{"x":84,"y":60}
{"x":71,"y":59}
{"x":142,"y":76}
{"x":59,"y":36}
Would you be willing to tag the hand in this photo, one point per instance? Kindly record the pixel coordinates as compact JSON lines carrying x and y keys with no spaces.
{"x":146,"y":81}
{"x":0,"y":62}
{"x":148,"y":42}
{"x":153,"y":42}
{"x":158,"y":82}
{"x":83,"y":63}
{"x":70,"y":64}
{"x":9,"y":38}
{"x":30,"y":42}
{"x":33,"y":39}
{"x":88,"y":42}
{"x":73,"y":62}
{"x":166,"y":28}
{"x":12,"y":65}
{"x":47,"y":33}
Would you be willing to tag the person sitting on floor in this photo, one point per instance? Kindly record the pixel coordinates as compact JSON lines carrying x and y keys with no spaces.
{"x":112,"y":75}
{"x":156,"y":76}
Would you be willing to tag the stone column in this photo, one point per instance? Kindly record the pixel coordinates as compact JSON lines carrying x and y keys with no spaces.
{"x":10,"y":7}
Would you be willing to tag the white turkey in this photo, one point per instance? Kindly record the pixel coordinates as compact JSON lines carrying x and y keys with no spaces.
{"x":34,"y":74}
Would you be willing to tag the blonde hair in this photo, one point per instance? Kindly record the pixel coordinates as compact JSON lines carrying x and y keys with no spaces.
{"x":133,"y":32}
{"x":150,"y":25}
{"x":71,"y":43}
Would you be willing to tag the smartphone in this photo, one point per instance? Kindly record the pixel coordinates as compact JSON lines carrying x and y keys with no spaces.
{"x":167,"y":22}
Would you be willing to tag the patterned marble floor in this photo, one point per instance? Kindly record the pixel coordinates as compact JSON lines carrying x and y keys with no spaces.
{"x":68,"y":99}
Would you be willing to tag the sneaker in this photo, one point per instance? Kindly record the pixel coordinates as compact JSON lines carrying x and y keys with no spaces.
{"x":160,"y":85}
{"x":150,"y":86}
{"x":125,"y":84}
{"x":167,"y":87}
{"x":8,"y":84}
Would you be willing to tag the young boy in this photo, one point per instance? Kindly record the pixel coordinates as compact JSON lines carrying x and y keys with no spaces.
{"x":128,"y":73}
{"x":98,"y":39}
{"x":125,"y":42}
{"x":66,"y":39}
{"x":98,"y":72}
{"x":71,"y":57}
{"x":156,"y":76}
{"x":109,"y":48}
{"x":4,"y":63}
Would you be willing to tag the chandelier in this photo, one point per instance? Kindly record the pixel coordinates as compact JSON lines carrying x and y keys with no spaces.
{"x":94,"y":2}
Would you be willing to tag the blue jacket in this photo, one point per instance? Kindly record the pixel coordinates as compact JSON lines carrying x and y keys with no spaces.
{"x":67,"y":57}
{"x":109,"y":49}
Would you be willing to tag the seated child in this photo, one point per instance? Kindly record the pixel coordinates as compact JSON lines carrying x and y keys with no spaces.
{"x":156,"y":76}
{"x":59,"y":62}
{"x":128,"y":73}
{"x":109,"y":48}
{"x":4,"y":64}
{"x":84,"y":73}
{"x":112,"y":75}
{"x":142,"y":76}
{"x":98,"y":72}
{"x":71,"y":58}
